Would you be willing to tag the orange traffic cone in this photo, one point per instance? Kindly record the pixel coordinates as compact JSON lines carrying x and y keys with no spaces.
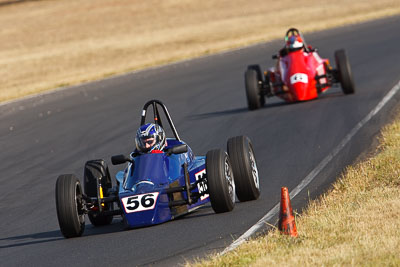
{"x":287,"y":225}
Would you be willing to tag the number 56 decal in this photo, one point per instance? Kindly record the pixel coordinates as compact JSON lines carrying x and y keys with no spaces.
{"x":140,"y":202}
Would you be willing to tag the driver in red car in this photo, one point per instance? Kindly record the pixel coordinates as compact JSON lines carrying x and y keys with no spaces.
{"x":150,"y":138}
{"x":294,"y":43}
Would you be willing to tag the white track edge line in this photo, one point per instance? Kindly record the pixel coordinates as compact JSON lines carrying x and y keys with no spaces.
{"x":315,"y":171}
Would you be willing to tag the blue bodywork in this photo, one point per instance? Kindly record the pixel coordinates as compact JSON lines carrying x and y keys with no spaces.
{"x":143,"y":186}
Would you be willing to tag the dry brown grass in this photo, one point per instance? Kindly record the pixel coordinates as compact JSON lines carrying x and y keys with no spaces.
{"x":47,"y":44}
{"x":355,"y":224}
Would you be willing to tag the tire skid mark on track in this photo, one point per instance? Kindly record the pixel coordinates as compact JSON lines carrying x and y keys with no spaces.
{"x":307,"y":180}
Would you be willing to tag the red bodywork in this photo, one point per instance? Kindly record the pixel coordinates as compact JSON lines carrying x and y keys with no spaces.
{"x":294,"y":78}
{"x":300,"y":74}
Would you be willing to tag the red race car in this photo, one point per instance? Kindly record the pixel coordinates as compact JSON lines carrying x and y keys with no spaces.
{"x":300,"y":74}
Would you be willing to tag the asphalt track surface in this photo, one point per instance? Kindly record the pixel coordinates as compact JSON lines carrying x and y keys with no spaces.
{"x":52,"y":134}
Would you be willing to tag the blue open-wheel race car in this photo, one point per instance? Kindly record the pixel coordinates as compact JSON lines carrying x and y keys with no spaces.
{"x":158,"y":186}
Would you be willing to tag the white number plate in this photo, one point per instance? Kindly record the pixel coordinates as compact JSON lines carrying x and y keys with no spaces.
{"x":140,"y":202}
{"x":299,"y":78}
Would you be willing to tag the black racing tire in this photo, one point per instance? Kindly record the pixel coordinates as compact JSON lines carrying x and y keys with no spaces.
{"x":70,"y":206}
{"x":344,"y":73}
{"x":260,"y":79}
{"x":244,"y":166}
{"x":257,"y":69}
{"x":96,"y":174}
{"x":220,"y":181}
{"x":252,"y":84}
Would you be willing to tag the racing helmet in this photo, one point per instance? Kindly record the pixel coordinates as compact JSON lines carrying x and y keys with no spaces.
{"x":150,"y":137}
{"x":294,"y":43}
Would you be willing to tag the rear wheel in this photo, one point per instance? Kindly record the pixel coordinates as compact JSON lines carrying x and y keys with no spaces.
{"x":70,"y":206}
{"x":97,"y":184}
{"x":345,"y":76}
{"x":220,"y":181}
{"x":253,"y":80}
{"x":244,"y":168}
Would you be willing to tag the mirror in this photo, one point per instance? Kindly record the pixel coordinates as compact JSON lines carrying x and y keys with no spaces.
{"x":179,"y":149}
{"x":119,"y":159}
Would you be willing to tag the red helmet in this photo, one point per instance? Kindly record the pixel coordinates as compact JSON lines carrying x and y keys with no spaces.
{"x":294,"y":43}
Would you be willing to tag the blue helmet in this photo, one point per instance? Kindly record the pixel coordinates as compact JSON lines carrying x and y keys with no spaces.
{"x":150,"y":137}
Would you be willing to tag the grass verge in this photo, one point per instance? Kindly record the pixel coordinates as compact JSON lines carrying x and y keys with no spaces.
{"x":356,"y":223}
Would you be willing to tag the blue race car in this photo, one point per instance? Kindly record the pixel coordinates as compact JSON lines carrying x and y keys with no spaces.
{"x":157,"y":187}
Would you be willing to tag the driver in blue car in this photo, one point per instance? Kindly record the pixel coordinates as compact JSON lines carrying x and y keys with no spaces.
{"x":150,"y":138}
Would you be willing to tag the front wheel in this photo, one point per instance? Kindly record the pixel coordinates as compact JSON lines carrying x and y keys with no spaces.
{"x":345,"y":76}
{"x":244,"y":168}
{"x":252,"y":83}
{"x":260,"y":82}
{"x":70,"y":206}
{"x":220,"y":181}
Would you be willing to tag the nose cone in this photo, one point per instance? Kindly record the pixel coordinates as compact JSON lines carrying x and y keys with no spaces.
{"x":302,"y":87}
{"x":145,"y":209}
{"x":300,"y":91}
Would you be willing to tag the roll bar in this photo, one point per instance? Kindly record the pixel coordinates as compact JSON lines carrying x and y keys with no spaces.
{"x":157,"y":119}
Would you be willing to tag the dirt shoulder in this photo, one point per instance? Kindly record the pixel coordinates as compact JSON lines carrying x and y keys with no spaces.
{"x":49,"y":44}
